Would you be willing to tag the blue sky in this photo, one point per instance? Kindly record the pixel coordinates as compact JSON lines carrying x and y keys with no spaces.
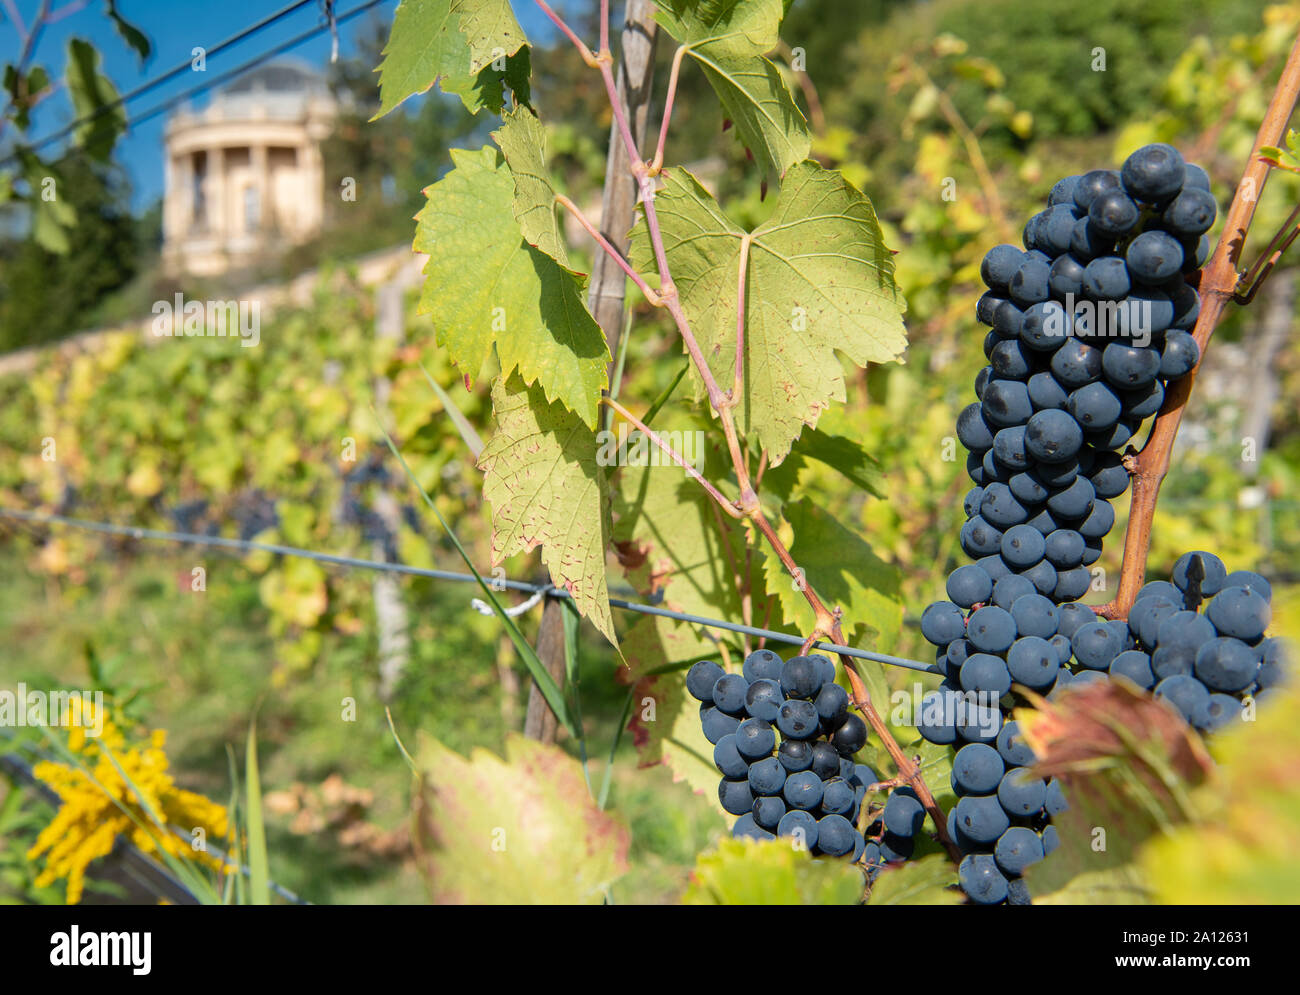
{"x":175,"y":28}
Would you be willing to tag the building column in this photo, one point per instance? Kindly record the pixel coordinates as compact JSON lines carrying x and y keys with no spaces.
{"x":259,"y":161}
{"x":218,"y":197}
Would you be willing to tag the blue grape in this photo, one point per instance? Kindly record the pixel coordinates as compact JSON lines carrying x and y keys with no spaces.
{"x":903,"y":814}
{"x":1035,"y":615}
{"x":1096,"y":644}
{"x":1032,"y":661}
{"x":1199,"y":567}
{"x":1220,"y":711}
{"x":993,"y":566}
{"x":1106,"y":278}
{"x":972,"y":429}
{"x":762,"y":665}
{"x":746,"y":827}
{"x":851,"y":736}
{"x":1252,"y":580}
{"x":1006,"y":402}
{"x":1093,"y":183}
{"x":1045,"y":393}
{"x":978,"y":723}
{"x":1054,"y":802}
{"x":1063,"y":191}
{"x":1064,"y":548}
{"x":942,"y":622}
{"x":755,"y":738}
{"x":717,"y":724}
{"x":894,"y":848}
{"x":825,"y":761}
{"x":795,"y":755}
{"x":1142,"y":403}
{"x":1028,"y":489}
{"x":1066,"y":274}
{"x":1187,"y":695}
{"x":991,"y":629}
{"x":1238,"y":612}
{"x":735,"y":796}
{"x":1087,"y":242}
{"x":1113,"y":214}
{"x":1179,"y":356}
{"x":1011,"y":360}
{"x":1017,"y":849}
{"x":1154,"y":256}
{"x":1154,"y":172}
{"x":832,"y":705}
{"x":1021,"y":793}
{"x":729,"y":694}
{"x":838,"y":797}
{"x":999,"y":507}
{"x":1018,"y":892}
{"x":1013,"y":750}
{"x":1195,"y":177}
{"x":728,"y":759}
{"x":1029,"y":283}
{"x":768,"y":810}
{"x":798,"y":824}
{"x":1009,"y":447}
{"x":701,"y":678}
{"x":981,"y":880}
{"x":1095,"y":405}
{"x":1042,"y":574}
{"x":763,"y":699}
{"x":1071,"y":584}
{"x":1226,"y":664}
{"x":1000,"y":265}
{"x":1136,"y":666}
{"x":1052,"y":436}
{"x":1074,"y":501}
{"x":977,"y":769}
{"x":981,"y":818}
{"x":1074,"y":364}
{"x":1192,"y":212}
{"x":1022,"y":546}
{"x":1051,"y":839}
{"x":986,"y":673}
{"x":937,"y":717}
{"x":1099,"y":522}
{"x":802,"y":790}
{"x":971,"y":503}
{"x":797,"y":719}
{"x":1072,"y":617}
{"x":1130,"y":367}
{"x":835,"y":835}
{"x":767,"y":777}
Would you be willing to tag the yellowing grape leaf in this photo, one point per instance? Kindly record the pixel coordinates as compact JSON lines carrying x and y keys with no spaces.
{"x":1126,"y":763}
{"x":820,"y":280}
{"x":1240,"y":850}
{"x":927,"y":881}
{"x":522,"y":140}
{"x":518,"y":831}
{"x":453,"y":42}
{"x":486,"y":286}
{"x":841,"y":568}
{"x":728,"y":38}
{"x":546,"y":489}
{"x":770,"y":872}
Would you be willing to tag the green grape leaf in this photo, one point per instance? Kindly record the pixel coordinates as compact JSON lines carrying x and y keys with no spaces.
{"x":928,"y":881}
{"x":93,"y":96}
{"x":486,"y":286}
{"x":430,"y":42}
{"x":728,"y":38}
{"x":770,"y":872}
{"x":1127,"y":764}
{"x":667,"y":527}
{"x":546,"y":489}
{"x":130,"y":34}
{"x":516,"y":831}
{"x":522,"y":140}
{"x":841,"y":568}
{"x":820,"y":280}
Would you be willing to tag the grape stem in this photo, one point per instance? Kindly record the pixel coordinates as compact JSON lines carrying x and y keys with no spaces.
{"x":1219,"y":282}
{"x":827,"y":624}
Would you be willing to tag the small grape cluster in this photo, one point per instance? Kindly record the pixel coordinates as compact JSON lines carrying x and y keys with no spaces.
{"x":805,"y":784}
{"x":1204,"y":663}
{"x":1089,"y":324}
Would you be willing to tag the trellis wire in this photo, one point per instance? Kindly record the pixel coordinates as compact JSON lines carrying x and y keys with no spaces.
{"x":546,"y":590}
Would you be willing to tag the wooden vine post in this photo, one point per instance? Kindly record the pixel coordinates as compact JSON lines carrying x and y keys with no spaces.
{"x":608,"y":287}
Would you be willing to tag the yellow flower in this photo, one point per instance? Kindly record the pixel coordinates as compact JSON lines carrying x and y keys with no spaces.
{"x":91,"y":817}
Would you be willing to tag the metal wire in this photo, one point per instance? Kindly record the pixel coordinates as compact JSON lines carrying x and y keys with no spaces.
{"x":639,"y":607}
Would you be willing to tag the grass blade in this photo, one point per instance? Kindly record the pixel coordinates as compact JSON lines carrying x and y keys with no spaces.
{"x":258,"y":869}
{"x":466,"y":430}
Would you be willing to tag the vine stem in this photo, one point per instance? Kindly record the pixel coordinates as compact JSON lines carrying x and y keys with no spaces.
{"x":673,"y":455}
{"x":650,"y":295}
{"x":680,"y":54}
{"x":1219,"y":281}
{"x":828,"y":622}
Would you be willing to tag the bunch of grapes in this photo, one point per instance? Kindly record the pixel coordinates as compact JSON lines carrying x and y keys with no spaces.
{"x":1203,"y":662}
{"x":784,"y":741}
{"x":1089,"y":323}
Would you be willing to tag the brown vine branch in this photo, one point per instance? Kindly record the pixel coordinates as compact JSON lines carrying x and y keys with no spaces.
{"x":1219,"y":281}
{"x":650,"y":294}
{"x":673,"y":455}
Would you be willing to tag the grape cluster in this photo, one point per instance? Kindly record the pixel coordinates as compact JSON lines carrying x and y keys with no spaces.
{"x":1088,"y":325}
{"x":1196,"y":641}
{"x":784,"y":741}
